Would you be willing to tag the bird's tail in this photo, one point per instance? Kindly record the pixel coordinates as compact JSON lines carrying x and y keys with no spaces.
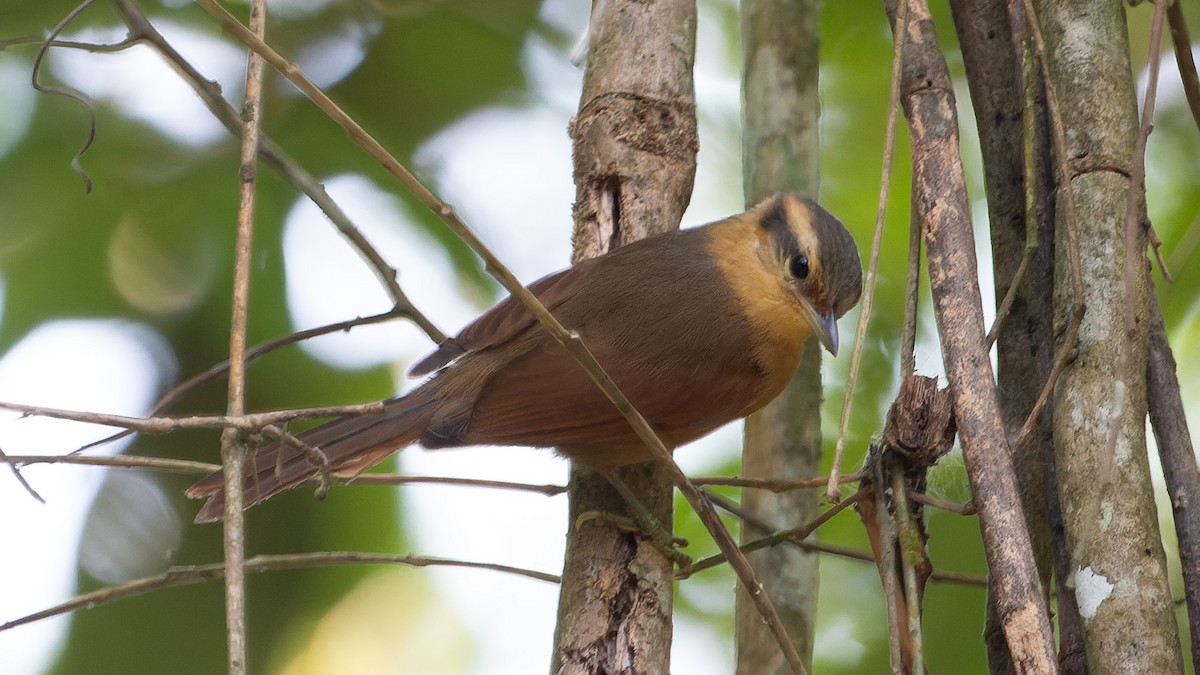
{"x":352,"y":444}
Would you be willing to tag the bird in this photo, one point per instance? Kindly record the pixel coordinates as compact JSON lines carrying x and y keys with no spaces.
{"x":697,"y":327}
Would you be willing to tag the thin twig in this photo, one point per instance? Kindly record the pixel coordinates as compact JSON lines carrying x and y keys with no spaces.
{"x":162,"y":425}
{"x":912,"y":289}
{"x":164,"y":464}
{"x":20,"y":478}
{"x":1135,"y":245}
{"x":188,"y":467}
{"x":889,"y":150}
{"x":773,"y":484}
{"x":1070,"y":222}
{"x":93,"y":47}
{"x":1183,"y":57}
{"x":967,"y":509}
{"x":68,"y":93}
{"x":568,"y":339}
{"x":907,"y":536}
{"x":235,"y":446}
{"x":841,"y":551}
{"x":1029,"y":146}
{"x":192,"y":574}
{"x":887,"y":560}
{"x":141,"y":29}
{"x":254,"y":353}
{"x":795,"y":535}
{"x":403,"y":479}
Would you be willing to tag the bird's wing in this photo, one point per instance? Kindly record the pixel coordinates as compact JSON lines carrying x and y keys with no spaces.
{"x":504,"y":321}
{"x":544,"y":398}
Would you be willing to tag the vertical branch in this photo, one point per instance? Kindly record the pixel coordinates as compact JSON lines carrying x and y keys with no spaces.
{"x":635,"y":149}
{"x":941,"y":199}
{"x":1099,"y":409}
{"x":1018,"y":182}
{"x":233,"y":443}
{"x":909,"y":539}
{"x":885,"y":556}
{"x":912,"y":296}
{"x":781,"y":109}
{"x":1178,"y":462}
{"x":899,"y":31}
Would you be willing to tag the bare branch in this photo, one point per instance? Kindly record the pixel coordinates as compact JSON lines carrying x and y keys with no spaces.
{"x":68,"y":93}
{"x":795,"y":535}
{"x":235,"y":446}
{"x":1183,"y":57}
{"x":1178,"y":461}
{"x":141,"y":29}
{"x":162,"y":425}
{"x":20,"y":478}
{"x":193,"y":574}
{"x":940,"y":192}
{"x":773,"y":484}
{"x":868,"y":300}
{"x":183,"y":466}
{"x":252,"y":354}
{"x":841,"y":551}
{"x":908,"y":536}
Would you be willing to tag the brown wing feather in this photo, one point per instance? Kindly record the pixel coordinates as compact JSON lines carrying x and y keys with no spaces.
{"x":683,"y":402}
{"x":504,"y":321}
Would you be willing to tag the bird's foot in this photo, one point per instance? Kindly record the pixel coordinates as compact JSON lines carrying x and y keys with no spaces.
{"x":643,"y":525}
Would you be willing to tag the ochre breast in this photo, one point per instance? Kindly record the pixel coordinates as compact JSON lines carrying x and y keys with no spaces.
{"x":769,"y":305}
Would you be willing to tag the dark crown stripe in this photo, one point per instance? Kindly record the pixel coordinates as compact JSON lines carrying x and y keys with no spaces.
{"x":775,"y":222}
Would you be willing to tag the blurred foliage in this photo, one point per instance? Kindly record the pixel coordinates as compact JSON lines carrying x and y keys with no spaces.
{"x":163,"y":211}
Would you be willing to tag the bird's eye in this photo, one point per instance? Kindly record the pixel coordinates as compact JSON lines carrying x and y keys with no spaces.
{"x":798,"y":266}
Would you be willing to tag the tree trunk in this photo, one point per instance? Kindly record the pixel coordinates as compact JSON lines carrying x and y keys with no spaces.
{"x":993,"y":57}
{"x":1099,"y":411}
{"x":780,"y":142}
{"x":940,"y":202}
{"x":635,"y":161}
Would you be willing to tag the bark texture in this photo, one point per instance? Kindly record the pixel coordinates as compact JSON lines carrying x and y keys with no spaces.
{"x":635,"y":159}
{"x":1178,"y":462}
{"x":1099,"y":407}
{"x":998,"y":84}
{"x":940,"y":202}
{"x":779,"y":152}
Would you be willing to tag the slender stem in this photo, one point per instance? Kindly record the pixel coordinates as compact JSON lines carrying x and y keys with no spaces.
{"x":889,"y":150}
{"x":907,"y":537}
{"x":235,"y":445}
{"x":1058,"y":139}
{"x":940,"y":576}
{"x":192,"y":574}
{"x":252,"y":354}
{"x":162,"y":425}
{"x":1183,"y":57}
{"x":285,"y":165}
{"x":795,"y":535}
{"x":887,"y":561}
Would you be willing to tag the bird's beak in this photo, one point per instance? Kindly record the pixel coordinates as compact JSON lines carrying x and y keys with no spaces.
{"x":825,"y":326}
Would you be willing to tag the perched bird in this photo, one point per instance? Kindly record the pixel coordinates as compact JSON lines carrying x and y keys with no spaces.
{"x":697,"y":327}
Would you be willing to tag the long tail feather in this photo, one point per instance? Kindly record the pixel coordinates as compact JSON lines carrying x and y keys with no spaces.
{"x":352,"y":445}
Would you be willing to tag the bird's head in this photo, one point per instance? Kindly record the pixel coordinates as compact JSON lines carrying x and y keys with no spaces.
{"x":816,"y":257}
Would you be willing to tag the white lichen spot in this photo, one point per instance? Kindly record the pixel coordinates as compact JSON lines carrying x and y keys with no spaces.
{"x":1091,"y":589}
{"x":1106,"y":515}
